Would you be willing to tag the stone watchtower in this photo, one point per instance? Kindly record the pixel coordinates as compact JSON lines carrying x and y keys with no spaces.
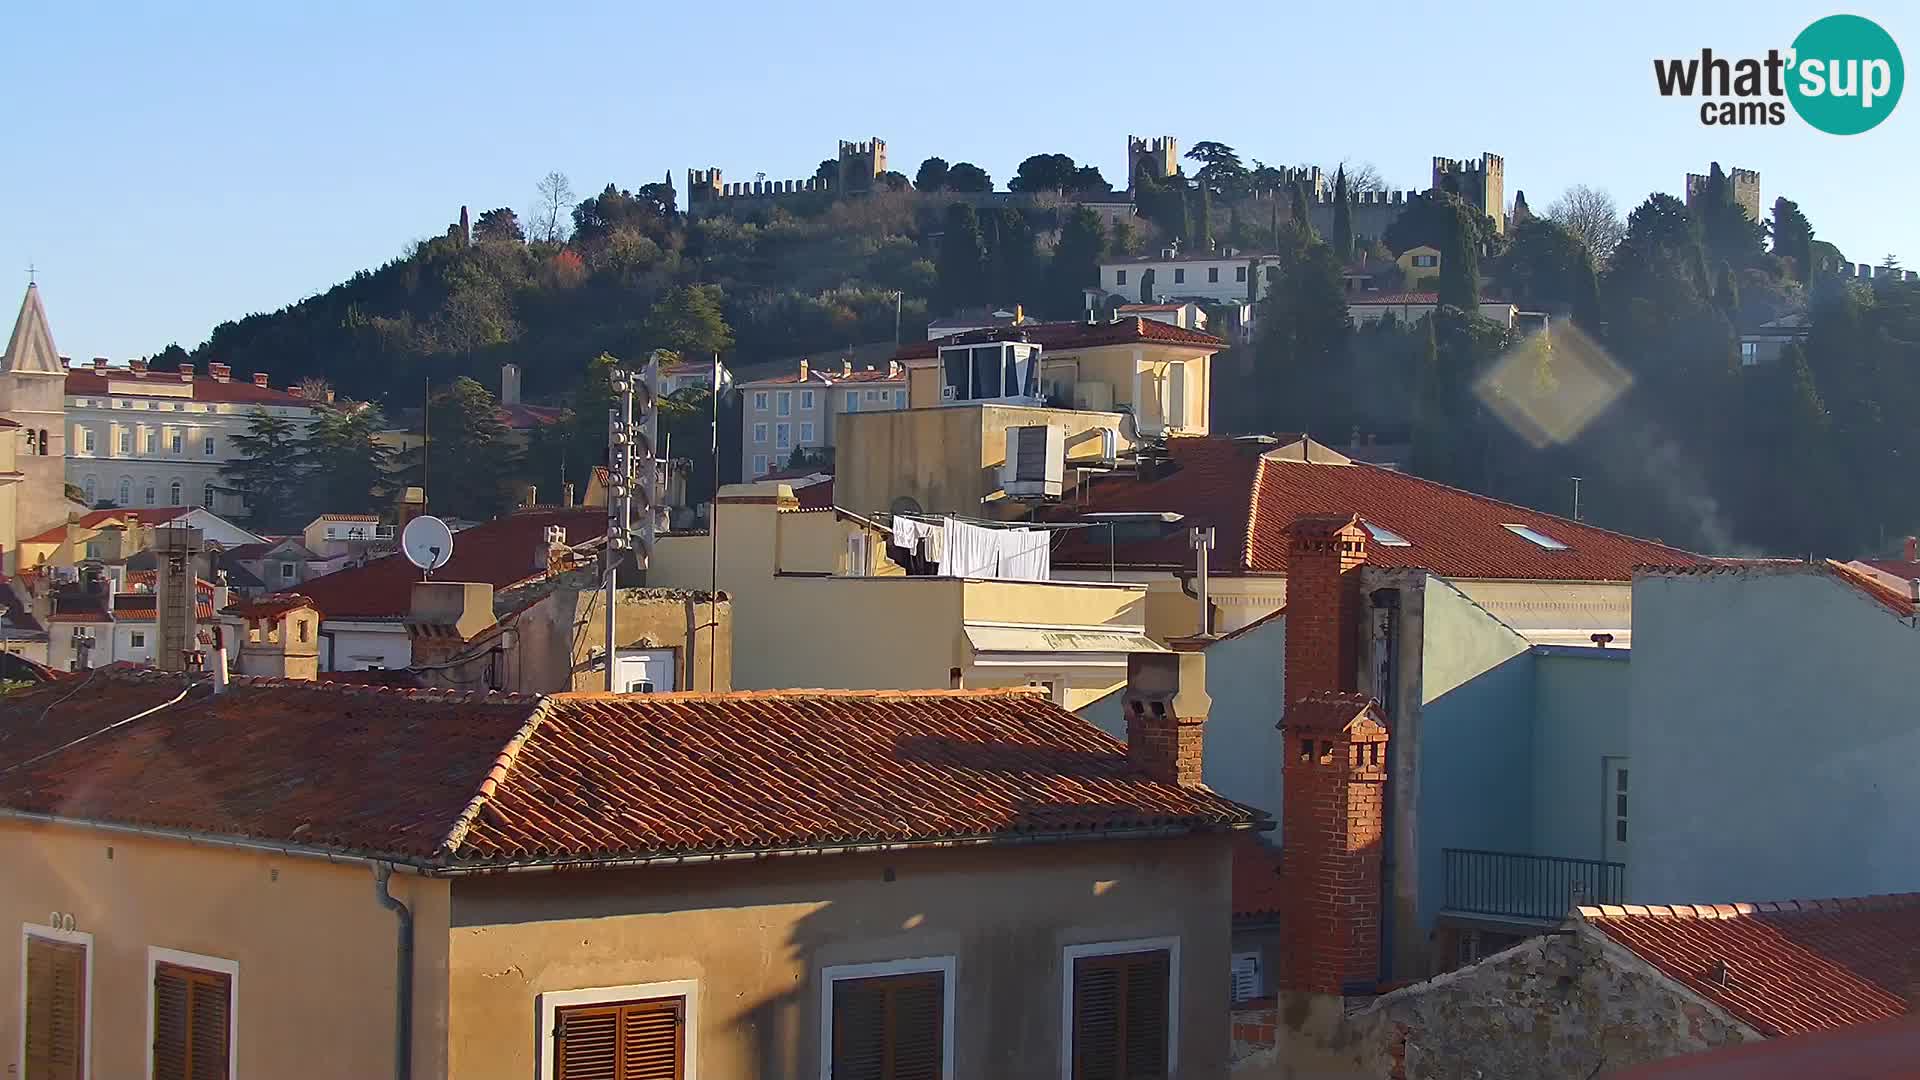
{"x":1159,"y":157}
{"x":1481,"y":183}
{"x":1745,"y":184}
{"x":33,"y":394}
{"x":861,"y":163}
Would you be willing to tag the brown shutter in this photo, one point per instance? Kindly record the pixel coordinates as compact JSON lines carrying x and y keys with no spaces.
{"x":634,"y":1040}
{"x":889,"y":1028}
{"x":192,"y":1018}
{"x":56,"y":1009}
{"x":1120,"y":1016}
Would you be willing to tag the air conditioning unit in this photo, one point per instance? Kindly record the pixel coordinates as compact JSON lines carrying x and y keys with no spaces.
{"x":1036,"y":462}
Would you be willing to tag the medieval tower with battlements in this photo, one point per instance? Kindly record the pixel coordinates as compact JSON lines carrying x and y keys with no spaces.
{"x":1158,"y":157}
{"x":1746,"y":189}
{"x":861,"y":163}
{"x":1482,"y":183}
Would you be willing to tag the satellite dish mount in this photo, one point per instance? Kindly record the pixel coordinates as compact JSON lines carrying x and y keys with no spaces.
{"x":427,"y":543}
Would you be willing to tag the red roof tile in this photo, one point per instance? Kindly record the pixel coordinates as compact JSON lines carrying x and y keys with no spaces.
{"x":269,"y":607}
{"x":499,"y":553}
{"x":1889,"y":1050}
{"x":93,"y":519}
{"x":1251,"y":494}
{"x":525,"y":417}
{"x":205,"y":387}
{"x":477,"y":779}
{"x":1789,"y":968}
{"x":1071,"y":335}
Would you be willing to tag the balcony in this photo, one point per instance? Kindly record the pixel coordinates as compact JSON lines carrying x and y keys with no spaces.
{"x":1533,"y":887}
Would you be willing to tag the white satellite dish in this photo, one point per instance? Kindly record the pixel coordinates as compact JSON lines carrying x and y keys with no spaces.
{"x":427,"y":542}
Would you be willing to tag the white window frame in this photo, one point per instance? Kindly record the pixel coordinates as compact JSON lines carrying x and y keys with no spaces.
{"x":920,"y":965}
{"x":783,"y":403}
{"x":806,"y":433}
{"x":1179,"y":275}
{"x":85,"y":941}
{"x":230,"y":968}
{"x":206,"y":445}
{"x":806,"y":399}
{"x":783,"y":436}
{"x":137,"y":639}
{"x":86,"y":439}
{"x":759,"y":401}
{"x":759,"y":466}
{"x":1114,"y":948}
{"x":760,"y":434}
{"x":1119,"y":277}
{"x":177,"y":443}
{"x":126,"y":442}
{"x":688,"y":990}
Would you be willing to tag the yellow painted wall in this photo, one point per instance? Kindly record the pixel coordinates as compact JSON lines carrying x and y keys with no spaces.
{"x":316,"y":951}
{"x":946,"y":459}
{"x":755,"y":935}
{"x":1054,"y":604}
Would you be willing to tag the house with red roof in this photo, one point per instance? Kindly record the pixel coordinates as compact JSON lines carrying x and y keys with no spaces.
{"x":771,"y":884}
{"x":800,"y":410}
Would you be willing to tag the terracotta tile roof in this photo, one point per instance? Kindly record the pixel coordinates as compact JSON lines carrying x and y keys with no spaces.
{"x":268,"y":607}
{"x":1900,"y":568}
{"x":1251,"y":492}
{"x":205,"y":387}
{"x":1789,"y":968}
{"x":1895,"y":600}
{"x":1070,"y":335}
{"x":525,"y":417}
{"x":830,"y":376}
{"x":1325,"y":710}
{"x":453,"y":779}
{"x":1256,"y":878}
{"x":142,"y":607}
{"x":1889,"y":1050}
{"x":499,"y":553}
{"x":94,"y":519}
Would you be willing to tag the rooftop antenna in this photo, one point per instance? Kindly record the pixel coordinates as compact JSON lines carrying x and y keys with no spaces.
{"x":427,"y":543}
{"x":1576,"y":498}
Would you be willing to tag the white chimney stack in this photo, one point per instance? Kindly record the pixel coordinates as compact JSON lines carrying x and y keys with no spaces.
{"x":510,"y":384}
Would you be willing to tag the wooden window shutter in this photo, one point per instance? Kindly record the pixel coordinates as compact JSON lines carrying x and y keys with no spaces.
{"x":631,"y":1040}
{"x":1120,"y":1020}
{"x":56,"y":1009}
{"x":890,"y":1028}
{"x":192,"y":1023}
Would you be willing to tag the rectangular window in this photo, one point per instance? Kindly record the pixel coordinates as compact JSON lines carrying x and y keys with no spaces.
{"x":192,"y":1018}
{"x":206,"y":446}
{"x":1119,"y":277}
{"x":760,"y":434}
{"x":784,"y":399}
{"x":891,"y":1021}
{"x":1118,"y":1010}
{"x":1179,"y":276}
{"x":59,"y":978}
{"x":86,"y":440}
{"x":1240,"y":273}
{"x":620,"y":1032}
{"x":1535,"y":536}
{"x":1749,"y":353}
{"x":177,"y":442}
{"x":137,"y":639}
{"x":806,"y":400}
{"x":899,"y":399}
{"x":806,"y":433}
{"x":760,"y":401}
{"x":153,"y":442}
{"x":782,"y":436}
{"x":1273,"y":274}
{"x":1213,"y":275}
{"x":126,"y":442}
{"x":759,"y":465}
{"x":875,"y":395}
{"x":853,"y":401}
{"x":286,"y":571}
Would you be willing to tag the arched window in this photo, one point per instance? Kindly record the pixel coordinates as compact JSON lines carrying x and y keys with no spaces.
{"x":126,"y":490}
{"x":206,"y":496}
{"x":173,"y":493}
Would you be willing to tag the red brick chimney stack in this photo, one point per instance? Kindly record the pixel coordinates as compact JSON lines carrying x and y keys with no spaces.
{"x":1166,"y":703}
{"x":1323,"y":603}
{"x":1334,"y":772}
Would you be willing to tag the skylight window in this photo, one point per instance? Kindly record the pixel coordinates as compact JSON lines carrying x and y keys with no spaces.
{"x":1536,"y":537}
{"x":1386,"y":537}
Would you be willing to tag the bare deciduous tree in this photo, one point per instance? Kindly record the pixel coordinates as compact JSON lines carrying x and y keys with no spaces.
{"x":1362,"y":176}
{"x":550,"y":212}
{"x":1589,"y":214}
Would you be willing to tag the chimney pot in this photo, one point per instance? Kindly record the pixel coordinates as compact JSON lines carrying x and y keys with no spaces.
{"x":138,"y":367}
{"x":186,"y":373}
{"x":846,"y":367}
{"x":955,"y":680}
{"x":260,"y":378}
{"x":1913,"y":549}
{"x":805,"y":369}
{"x":1166,"y":703}
{"x":99,"y":363}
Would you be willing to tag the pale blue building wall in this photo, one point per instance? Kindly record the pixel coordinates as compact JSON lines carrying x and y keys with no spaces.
{"x":1579,"y":720}
{"x":1475,"y":737}
{"x":1774,"y":733}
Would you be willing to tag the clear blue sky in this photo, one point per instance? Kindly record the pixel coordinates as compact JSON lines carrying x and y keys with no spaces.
{"x":168,"y":167}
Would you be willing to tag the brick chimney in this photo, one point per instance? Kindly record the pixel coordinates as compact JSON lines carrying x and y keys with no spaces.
{"x":220,"y":372}
{"x":445,"y":615}
{"x":260,"y":378}
{"x":99,"y":364}
{"x":1166,"y":704}
{"x":186,"y":373}
{"x":1333,"y":776}
{"x":137,"y":366}
{"x":1323,"y":603}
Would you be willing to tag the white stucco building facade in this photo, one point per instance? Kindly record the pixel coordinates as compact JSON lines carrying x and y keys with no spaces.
{"x":137,"y":437}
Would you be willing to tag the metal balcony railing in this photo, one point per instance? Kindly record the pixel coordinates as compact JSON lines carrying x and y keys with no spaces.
{"x":1510,"y":885}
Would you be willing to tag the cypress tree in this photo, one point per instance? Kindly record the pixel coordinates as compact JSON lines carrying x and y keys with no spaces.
{"x":1342,"y":217}
{"x":1460,"y":263}
{"x":961,"y":270}
{"x":1301,"y":219}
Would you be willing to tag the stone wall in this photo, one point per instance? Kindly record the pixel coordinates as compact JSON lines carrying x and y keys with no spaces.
{"x":1564,"y":1005}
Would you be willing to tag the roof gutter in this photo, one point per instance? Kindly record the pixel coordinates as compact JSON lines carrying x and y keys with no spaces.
{"x":425,"y":868}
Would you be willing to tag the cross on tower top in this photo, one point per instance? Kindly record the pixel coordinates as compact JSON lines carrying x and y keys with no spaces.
{"x":31,"y":271}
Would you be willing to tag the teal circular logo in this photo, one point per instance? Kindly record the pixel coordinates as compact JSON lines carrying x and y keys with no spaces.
{"x":1846,"y":74}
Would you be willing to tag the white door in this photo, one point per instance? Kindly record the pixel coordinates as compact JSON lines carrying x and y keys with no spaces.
{"x":1614,"y":810}
{"x":644,"y":671}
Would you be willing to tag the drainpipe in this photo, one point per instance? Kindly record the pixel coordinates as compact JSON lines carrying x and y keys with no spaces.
{"x":1386,"y":672}
{"x":403,"y":1003}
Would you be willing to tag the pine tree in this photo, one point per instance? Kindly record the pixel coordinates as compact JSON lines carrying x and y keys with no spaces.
{"x":472,"y":458}
{"x":269,"y":472}
{"x":346,"y":464}
{"x":962,"y":276}
{"x":1342,"y":217}
{"x":1793,"y":237}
